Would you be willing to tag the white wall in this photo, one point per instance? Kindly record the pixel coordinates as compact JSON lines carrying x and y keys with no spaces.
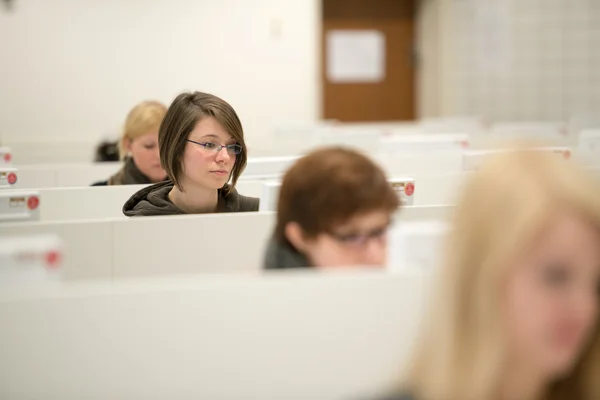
{"x":428,"y":58}
{"x":71,"y":69}
{"x":519,"y":59}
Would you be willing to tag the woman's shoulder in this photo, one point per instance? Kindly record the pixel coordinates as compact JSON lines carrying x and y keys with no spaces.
{"x":151,"y":201}
{"x":235,"y":202}
{"x":249,"y":203}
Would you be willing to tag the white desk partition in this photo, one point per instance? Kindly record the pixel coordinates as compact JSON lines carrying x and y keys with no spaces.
{"x":534,"y":129}
{"x":248,"y":187}
{"x":417,"y":244}
{"x":39,"y":152}
{"x":269,"y":196}
{"x":87,"y":245}
{"x":584,"y":121}
{"x":419,"y":163}
{"x":433,"y":143}
{"x":157,"y":245}
{"x":472,"y":159}
{"x":210,"y":243}
{"x":404,"y":164}
{"x":267,"y":167}
{"x":19,"y":205}
{"x":426,"y":190}
{"x":72,"y":175}
{"x":589,"y":141}
{"x":451,"y":124}
{"x":82,"y":203}
{"x":436,"y":189}
{"x":364,"y":140}
{"x":64,"y":175}
{"x":281,"y":336}
{"x":29,"y":259}
{"x":85,"y":203}
{"x":554,"y":133}
{"x":5,"y":156}
{"x":186,"y":244}
{"x":421,"y":213}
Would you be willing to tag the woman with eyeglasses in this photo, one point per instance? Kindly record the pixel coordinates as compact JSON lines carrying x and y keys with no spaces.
{"x":202,"y":148}
{"x":335,"y":207}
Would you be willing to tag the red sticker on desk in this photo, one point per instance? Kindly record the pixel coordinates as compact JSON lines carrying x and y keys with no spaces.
{"x":7,"y":157}
{"x":33,"y":202}
{"x":409,"y":189}
{"x":567,"y":154}
{"x":464,"y":144}
{"x":53,"y":259}
{"x":11,"y":178}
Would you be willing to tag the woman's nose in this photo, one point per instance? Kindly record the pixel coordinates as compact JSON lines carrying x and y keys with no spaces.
{"x":223,"y":155}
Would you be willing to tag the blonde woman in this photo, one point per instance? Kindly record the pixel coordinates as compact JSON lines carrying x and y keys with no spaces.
{"x":139,"y":146}
{"x":515,"y":313}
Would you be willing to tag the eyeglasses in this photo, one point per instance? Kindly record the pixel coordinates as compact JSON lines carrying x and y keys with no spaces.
{"x":361,"y":239}
{"x":232,"y":149}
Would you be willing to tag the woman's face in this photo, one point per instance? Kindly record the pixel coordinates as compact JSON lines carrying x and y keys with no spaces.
{"x":145,"y":154}
{"x":361,"y":241}
{"x":203,"y":165}
{"x":551,"y":301}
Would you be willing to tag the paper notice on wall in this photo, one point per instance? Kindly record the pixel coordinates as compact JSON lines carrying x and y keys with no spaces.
{"x":355,"y":56}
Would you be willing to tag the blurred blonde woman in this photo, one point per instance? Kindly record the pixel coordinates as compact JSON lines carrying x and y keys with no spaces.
{"x":138,"y":146}
{"x":515,"y":313}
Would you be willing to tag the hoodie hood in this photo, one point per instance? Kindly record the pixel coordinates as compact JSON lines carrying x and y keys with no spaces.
{"x":283,"y":255}
{"x":154,"y":200}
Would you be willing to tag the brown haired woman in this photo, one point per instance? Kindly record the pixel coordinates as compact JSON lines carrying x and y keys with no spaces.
{"x":335,"y":207}
{"x":202,"y":147}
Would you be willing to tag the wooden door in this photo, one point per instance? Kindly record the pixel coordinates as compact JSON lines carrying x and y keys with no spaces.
{"x":393,"y":97}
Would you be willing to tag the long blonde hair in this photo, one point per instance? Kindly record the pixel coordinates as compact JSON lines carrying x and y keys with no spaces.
{"x":504,"y":205}
{"x":142,"y":119}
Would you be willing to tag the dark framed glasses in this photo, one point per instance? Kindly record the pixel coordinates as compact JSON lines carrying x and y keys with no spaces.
{"x":211,"y":147}
{"x":361,"y":239}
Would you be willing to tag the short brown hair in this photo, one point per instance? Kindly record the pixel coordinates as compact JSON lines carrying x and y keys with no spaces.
{"x":328,"y":186}
{"x":142,"y":119}
{"x":181,"y":119}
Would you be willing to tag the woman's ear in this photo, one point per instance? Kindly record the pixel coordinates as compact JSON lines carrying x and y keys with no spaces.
{"x":295,"y":235}
{"x":127,"y":145}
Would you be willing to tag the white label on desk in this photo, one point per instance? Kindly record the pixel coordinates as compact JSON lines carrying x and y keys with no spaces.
{"x":5,"y":157}
{"x":405,"y":188}
{"x":19,"y":206}
{"x":30,"y":257}
{"x":8,"y":177}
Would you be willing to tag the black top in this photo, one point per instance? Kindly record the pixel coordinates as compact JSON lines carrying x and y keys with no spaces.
{"x":129,"y":174}
{"x":283,"y":255}
{"x":154,"y":200}
{"x":399,"y":396}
